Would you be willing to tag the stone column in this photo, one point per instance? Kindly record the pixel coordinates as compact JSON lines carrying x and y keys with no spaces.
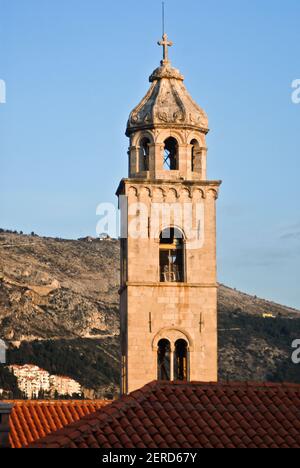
{"x":203,"y":163}
{"x":134,"y":152}
{"x":189,"y":162}
{"x":184,"y":165}
{"x":172,"y":364}
{"x":152,"y":161}
{"x":159,"y":159}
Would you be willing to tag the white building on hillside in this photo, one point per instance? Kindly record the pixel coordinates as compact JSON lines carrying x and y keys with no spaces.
{"x":65,"y":385}
{"x":32,"y":381}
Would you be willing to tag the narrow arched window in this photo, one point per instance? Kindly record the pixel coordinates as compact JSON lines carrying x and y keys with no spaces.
{"x":171,"y":256}
{"x":171,"y":154}
{"x":164,"y":360}
{"x":144,"y":154}
{"x":181,"y":360}
{"x":196,"y":156}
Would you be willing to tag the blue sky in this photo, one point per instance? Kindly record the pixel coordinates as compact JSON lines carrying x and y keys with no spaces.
{"x":74,"y":69}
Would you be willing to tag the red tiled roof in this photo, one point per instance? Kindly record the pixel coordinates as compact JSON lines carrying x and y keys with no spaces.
{"x":33,"y":420}
{"x":193,"y":415}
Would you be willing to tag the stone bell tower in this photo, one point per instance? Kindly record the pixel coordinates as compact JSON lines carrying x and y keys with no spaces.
{"x":168,"y":292}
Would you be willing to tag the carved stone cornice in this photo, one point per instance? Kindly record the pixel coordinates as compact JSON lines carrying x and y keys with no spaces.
{"x":186,"y":188}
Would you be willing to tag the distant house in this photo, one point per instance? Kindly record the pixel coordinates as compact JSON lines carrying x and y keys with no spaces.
{"x":86,"y":239}
{"x":3,"y":349}
{"x":104,"y":237}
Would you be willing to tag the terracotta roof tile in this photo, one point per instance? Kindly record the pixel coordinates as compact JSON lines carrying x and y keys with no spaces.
{"x":33,"y":420}
{"x":194,"y":415}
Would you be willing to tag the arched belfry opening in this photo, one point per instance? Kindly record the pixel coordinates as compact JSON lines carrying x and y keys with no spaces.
{"x":196,"y":156}
{"x":144,"y":154}
{"x":171,"y":256}
{"x":164,"y":360}
{"x":170,"y":154}
{"x":181,"y":360}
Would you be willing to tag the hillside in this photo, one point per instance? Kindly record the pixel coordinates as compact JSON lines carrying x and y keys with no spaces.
{"x":59,"y":309}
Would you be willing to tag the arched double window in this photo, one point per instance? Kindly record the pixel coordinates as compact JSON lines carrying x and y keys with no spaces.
{"x":173,"y":365}
{"x":170,"y":154}
{"x":144,"y":154}
{"x":164,"y":360}
{"x":171,"y":256}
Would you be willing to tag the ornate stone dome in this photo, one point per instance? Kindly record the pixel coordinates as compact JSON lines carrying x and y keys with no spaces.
{"x":167,"y":103}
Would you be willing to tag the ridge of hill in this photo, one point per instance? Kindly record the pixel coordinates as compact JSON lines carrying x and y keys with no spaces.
{"x":59,"y":309}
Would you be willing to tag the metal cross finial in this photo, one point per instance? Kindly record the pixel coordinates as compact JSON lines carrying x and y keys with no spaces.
{"x":165,"y":43}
